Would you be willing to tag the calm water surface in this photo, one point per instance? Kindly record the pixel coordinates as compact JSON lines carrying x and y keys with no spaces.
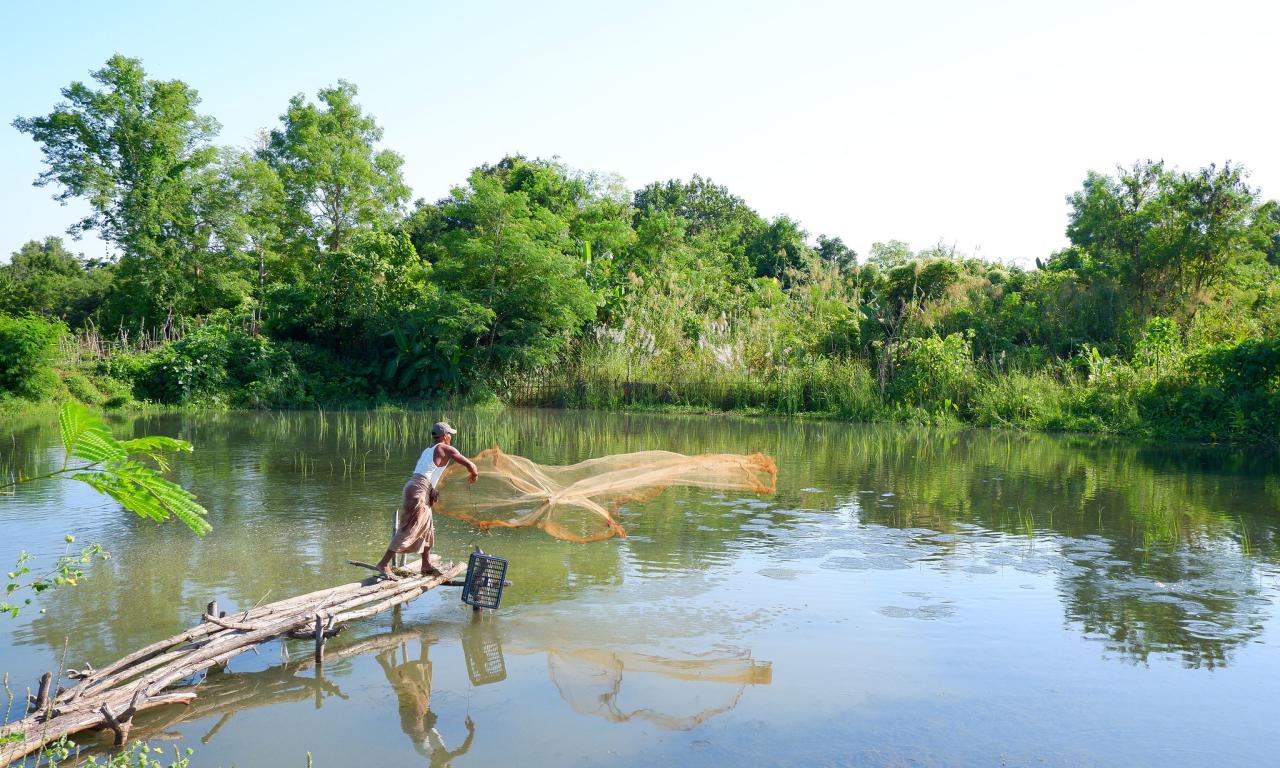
{"x":908,"y":597}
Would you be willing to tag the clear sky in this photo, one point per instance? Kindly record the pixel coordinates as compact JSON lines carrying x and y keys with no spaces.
{"x":966,"y":122}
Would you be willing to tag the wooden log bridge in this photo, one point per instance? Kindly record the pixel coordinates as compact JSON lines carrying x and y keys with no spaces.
{"x":109,"y":697}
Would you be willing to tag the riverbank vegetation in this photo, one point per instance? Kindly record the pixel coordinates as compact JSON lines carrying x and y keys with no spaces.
{"x":295,"y":273}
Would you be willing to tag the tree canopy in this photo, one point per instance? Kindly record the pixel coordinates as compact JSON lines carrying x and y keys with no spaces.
{"x":296,"y":266}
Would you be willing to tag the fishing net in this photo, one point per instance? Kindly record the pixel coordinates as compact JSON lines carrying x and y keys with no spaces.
{"x":577,"y":502}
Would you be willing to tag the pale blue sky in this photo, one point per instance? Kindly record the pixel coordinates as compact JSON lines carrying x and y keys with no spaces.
{"x":967,"y":122}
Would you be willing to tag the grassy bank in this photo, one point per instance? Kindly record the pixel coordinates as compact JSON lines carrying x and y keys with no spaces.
{"x":1224,"y":392}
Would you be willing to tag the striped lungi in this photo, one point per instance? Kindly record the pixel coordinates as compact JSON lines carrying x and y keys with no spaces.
{"x":417,"y":529}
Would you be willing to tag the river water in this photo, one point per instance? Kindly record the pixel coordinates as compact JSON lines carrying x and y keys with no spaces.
{"x":907,"y":597}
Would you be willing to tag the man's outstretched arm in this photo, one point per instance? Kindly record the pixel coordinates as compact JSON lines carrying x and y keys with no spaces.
{"x":457,"y":456}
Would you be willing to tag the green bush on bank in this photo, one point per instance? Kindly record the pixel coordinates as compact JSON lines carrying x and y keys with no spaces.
{"x":28,"y":352}
{"x":222,"y":365}
{"x":1036,"y":400}
{"x":1227,"y":391}
{"x":936,"y":374}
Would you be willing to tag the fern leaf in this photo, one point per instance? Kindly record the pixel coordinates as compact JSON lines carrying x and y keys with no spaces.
{"x":141,"y":490}
{"x":152,"y":447}
{"x":86,"y":436}
{"x":97,"y":444}
{"x":72,"y":420}
{"x":154,"y":443}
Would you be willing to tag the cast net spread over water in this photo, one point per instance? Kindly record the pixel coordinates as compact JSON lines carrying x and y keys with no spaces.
{"x":577,"y":502}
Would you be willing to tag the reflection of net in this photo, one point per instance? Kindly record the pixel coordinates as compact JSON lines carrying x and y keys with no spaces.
{"x":576,"y":502}
{"x":590,"y":680}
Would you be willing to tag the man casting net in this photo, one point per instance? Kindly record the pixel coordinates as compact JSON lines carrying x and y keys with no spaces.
{"x":577,"y":502}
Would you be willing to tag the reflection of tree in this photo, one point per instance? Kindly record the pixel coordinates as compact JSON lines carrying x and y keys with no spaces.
{"x":1174,"y":574}
{"x":1175,"y":605}
{"x":281,"y":527}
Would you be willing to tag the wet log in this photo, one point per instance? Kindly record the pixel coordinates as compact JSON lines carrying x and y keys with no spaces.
{"x":111,"y":696}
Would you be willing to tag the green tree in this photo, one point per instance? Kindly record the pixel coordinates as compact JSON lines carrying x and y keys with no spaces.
{"x":833,"y":251}
{"x":720,"y":222}
{"x":335,"y":183}
{"x":28,"y":352}
{"x":1270,"y":229}
{"x":259,"y":196}
{"x":595,"y":207}
{"x":1217,"y":225}
{"x":1164,"y":237}
{"x":136,"y":149}
{"x":513,"y":271}
{"x":348,"y":299}
{"x":779,"y":249}
{"x":47,"y":279}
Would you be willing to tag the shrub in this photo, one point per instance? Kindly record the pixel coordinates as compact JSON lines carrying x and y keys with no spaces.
{"x":1026,"y":400}
{"x":1109,"y":400}
{"x":28,"y":350}
{"x":843,"y":388}
{"x":936,"y":373}
{"x":81,"y":388}
{"x":326,"y":377}
{"x":222,"y":365}
{"x":127,"y":368}
{"x":1229,"y":391}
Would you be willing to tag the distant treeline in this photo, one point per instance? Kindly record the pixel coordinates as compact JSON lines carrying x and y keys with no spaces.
{"x":295,"y":272}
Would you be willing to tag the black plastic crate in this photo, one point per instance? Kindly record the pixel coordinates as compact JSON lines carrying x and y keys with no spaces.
{"x":486,"y":576}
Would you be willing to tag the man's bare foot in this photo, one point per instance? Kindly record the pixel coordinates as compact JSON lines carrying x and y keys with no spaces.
{"x":387,"y":574}
{"x":431,"y":570}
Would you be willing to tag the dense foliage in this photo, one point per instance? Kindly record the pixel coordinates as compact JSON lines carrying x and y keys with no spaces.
{"x":28,"y":351}
{"x":293,"y":273}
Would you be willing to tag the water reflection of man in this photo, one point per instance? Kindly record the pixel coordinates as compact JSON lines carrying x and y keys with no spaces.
{"x":411,"y":681}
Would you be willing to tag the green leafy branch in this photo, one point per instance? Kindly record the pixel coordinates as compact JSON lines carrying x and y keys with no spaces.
{"x":116,"y":470}
{"x":139,"y":755}
{"x":66,"y":571}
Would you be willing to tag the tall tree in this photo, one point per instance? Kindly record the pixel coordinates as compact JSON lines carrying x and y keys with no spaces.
{"x":513,"y":266}
{"x":1164,"y":236}
{"x":47,"y":279}
{"x":833,"y":251}
{"x":136,"y":149}
{"x":334,"y":181}
{"x":779,"y":249}
{"x":720,"y":222}
{"x":259,"y":197}
{"x":1216,"y":216}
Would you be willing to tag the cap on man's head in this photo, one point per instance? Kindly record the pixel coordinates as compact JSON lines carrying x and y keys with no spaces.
{"x":442,"y":428}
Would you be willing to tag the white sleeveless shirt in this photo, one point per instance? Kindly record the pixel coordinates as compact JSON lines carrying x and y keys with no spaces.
{"x":427,"y":465}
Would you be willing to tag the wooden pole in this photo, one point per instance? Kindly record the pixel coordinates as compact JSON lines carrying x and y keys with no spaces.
{"x":319,"y":639}
{"x":41,"y":700}
{"x":398,"y":559}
